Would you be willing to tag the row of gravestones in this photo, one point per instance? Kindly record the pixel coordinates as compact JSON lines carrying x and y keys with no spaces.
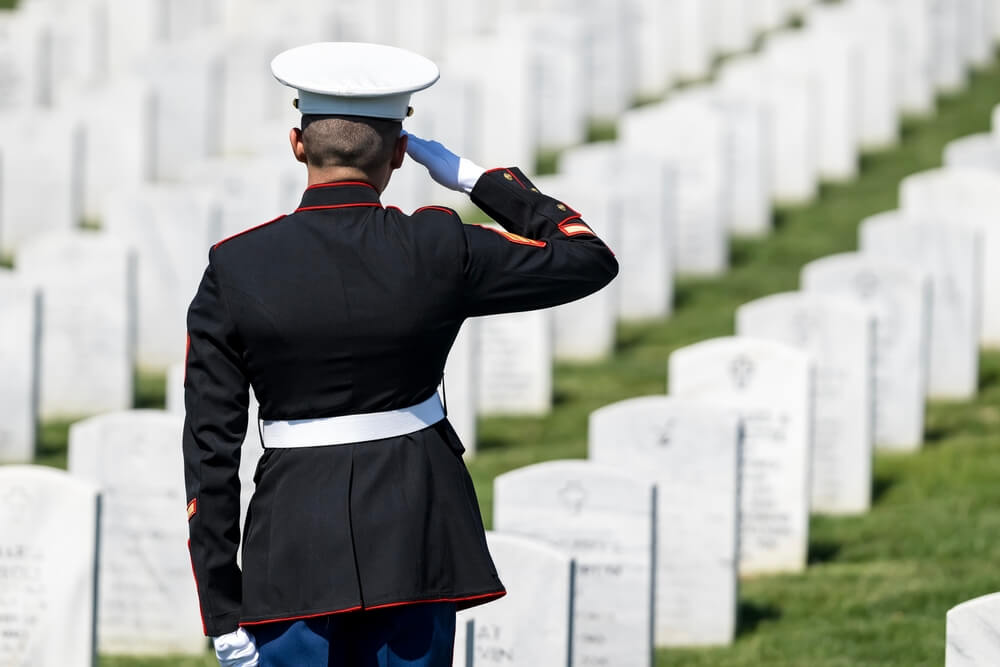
{"x":147,"y":259}
{"x":718,"y":479}
{"x":133,"y":91}
{"x":112,"y":513}
{"x":973,"y":627}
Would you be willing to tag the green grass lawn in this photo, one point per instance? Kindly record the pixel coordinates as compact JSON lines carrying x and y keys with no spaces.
{"x":878,"y":586}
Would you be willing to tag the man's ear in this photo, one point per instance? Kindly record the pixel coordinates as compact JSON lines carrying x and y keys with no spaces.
{"x":298,"y":148}
{"x":399,"y":151}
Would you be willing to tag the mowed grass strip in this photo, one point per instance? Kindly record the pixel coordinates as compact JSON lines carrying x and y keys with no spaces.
{"x":878,"y":586}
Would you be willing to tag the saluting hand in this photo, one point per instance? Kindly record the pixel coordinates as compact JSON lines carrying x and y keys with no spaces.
{"x":450,"y":170}
{"x":236,"y":649}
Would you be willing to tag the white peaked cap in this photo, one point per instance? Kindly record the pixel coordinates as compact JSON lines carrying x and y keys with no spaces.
{"x":354,"y":79}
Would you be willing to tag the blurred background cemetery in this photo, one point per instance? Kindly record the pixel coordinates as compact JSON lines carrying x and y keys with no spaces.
{"x":773,"y":440}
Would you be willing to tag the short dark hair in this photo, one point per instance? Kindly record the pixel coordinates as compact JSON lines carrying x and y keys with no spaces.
{"x":349,"y":141}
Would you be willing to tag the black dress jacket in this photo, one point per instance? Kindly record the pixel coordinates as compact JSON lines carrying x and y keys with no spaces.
{"x":346,"y":307}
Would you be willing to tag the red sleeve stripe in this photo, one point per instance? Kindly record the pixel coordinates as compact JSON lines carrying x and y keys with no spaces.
{"x":575,"y":229}
{"x":515,"y":238}
{"x":442,"y":209}
{"x":192,"y":508}
{"x":198,"y":590}
{"x":575,"y":216}
{"x":247,"y":231}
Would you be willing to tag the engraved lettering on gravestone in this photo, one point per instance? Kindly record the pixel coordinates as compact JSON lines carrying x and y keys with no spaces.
{"x":573,"y":495}
{"x":664,"y":436}
{"x":741,"y":369}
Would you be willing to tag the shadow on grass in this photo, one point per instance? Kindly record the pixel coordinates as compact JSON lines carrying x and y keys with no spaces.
{"x":988,"y":378}
{"x":880,"y":486}
{"x":751,"y":614}
{"x":822,"y":551}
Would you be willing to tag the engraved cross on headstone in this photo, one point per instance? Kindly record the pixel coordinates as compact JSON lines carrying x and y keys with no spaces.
{"x":573,"y":495}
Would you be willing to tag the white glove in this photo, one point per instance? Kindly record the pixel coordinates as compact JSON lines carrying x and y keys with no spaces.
{"x":448,"y":169}
{"x":236,"y":649}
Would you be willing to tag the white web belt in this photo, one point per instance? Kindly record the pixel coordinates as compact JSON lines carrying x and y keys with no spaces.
{"x":346,"y":429}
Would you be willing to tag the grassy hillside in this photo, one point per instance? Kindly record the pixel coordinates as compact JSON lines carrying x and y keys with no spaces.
{"x":878,"y":586}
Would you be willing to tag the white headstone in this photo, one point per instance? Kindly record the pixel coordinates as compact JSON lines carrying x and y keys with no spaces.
{"x":980,"y":151}
{"x":646,"y":187}
{"x":771,"y":385}
{"x":20,"y":338}
{"x":693,"y":136}
{"x":585,"y":329}
{"x":514,"y":374}
{"x":834,"y":65}
{"x":870,"y":27}
{"x":952,"y":258}
{"x":793,"y":104}
{"x":839,"y":335}
{"x":560,"y":46}
{"x":121,"y":144}
{"x":604,"y":520}
{"x":734,"y":30}
{"x":39,"y":194}
{"x":80,"y":54}
{"x":187,"y":79}
{"x":900,"y":298}
{"x":501,"y":71}
{"x":691,"y":38}
{"x":977,"y":32}
{"x":912,"y":20}
{"x":656,"y":60}
{"x":950,"y":72}
{"x":171,"y":229}
{"x":973,"y":633}
{"x":25,"y":61}
{"x":87,"y":282}
{"x":461,"y":385}
{"x":691,"y":451}
{"x":748,"y":130}
{"x":531,"y":625}
{"x":147,"y":600}
{"x":966,"y":197}
{"x":48,"y":538}
{"x":250,"y":191}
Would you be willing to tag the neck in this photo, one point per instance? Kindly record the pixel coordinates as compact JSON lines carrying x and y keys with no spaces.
{"x":318,"y":175}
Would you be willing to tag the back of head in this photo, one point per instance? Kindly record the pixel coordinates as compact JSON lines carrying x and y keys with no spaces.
{"x":349,"y":141}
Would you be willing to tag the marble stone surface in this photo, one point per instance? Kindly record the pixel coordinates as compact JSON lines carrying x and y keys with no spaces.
{"x":515,"y":363}
{"x":693,"y":137}
{"x":963,"y":196}
{"x":48,"y":542}
{"x":770,"y":384}
{"x":839,"y":335}
{"x":951,"y":256}
{"x":646,"y":189}
{"x":531,"y":625}
{"x":171,"y":228}
{"x":980,"y":151}
{"x":604,"y":520}
{"x":147,"y":600}
{"x":691,"y":451}
{"x":973,"y":633}
{"x":20,"y":344}
{"x":900,"y":297}
{"x":87,"y":280}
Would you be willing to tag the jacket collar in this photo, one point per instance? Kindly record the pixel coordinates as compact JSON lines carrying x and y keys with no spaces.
{"x":339,"y":194}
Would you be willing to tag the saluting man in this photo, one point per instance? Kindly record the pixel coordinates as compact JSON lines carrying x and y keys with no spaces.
{"x":363,"y":536}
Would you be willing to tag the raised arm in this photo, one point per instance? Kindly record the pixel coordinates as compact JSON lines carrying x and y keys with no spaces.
{"x":544,"y":255}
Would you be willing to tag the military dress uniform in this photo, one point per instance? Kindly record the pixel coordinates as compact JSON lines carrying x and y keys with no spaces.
{"x":347,"y":307}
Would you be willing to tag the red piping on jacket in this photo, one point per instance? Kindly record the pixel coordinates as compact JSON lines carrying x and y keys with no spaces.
{"x":204,"y":629}
{"x":337,"y":184}
{"x":323,"y":208}
{"x":496,"y":594}
{"x":434,"y":208}
{"x":247,"y":231}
